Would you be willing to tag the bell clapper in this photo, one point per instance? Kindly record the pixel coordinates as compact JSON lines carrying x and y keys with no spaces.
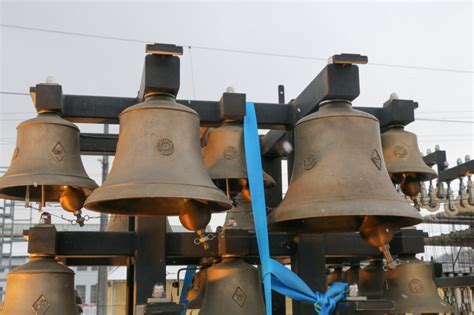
{"x":450,"y":204}
{"x":27,"y":197}
{"x":203,"y":239}
{"x":43,"y":202}
{"x":441,"y":191}
{"x":245,"y":192}
{"x":390,"y":262}
{"x":433,"y":201}
{"x":423,"y":195}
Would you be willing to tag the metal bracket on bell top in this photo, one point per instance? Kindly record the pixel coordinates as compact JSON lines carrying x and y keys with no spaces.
{"x":47,"y":97}
{"x":161,"y":70}
{"x":41,"y":239}
{"x":232,"y":106}
{"x":397,"y":112}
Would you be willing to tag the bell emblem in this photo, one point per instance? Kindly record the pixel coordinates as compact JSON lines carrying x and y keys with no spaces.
{"x":40,"y":287}
{"x":412,"y":289}
{"x":46,"y":164}
{"x":339,"y":181}
{"x":233,"y":287}
{"x":158,"y":167}
{"x":224,"y":158}
{"x":404,"y":162}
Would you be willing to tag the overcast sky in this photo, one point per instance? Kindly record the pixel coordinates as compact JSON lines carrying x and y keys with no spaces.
{"x":420,"y":50}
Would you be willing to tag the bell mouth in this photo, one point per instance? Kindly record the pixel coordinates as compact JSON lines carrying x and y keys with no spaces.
{"x":398,"y":177}
{"x":335,"y":224}
{"x":52,"y":193}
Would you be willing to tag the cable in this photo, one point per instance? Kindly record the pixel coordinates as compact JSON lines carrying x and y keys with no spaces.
{"x":13,"y":93}
{"x":446,"y":120}
{"x":239,"y":51}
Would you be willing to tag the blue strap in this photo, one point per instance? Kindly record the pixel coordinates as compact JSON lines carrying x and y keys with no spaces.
{"x":275,"y":275}
{"x":188,"y":278}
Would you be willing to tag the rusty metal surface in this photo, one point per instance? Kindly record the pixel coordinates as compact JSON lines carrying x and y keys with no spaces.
{"x":46,"y":155}
{"x":158,"y":165}
{"x":339,"y":179}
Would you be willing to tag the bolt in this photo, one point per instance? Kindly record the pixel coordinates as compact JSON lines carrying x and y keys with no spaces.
{"x":50,"y":80}
{"x":428,"y":151}
{"x":437,"y":147}
{"x":459,"y":161}
{"x":230,"y":89}
{"x":467,"y":158}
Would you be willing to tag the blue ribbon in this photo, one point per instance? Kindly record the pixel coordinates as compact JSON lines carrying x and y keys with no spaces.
{"x":275,"y":275}
{"x":188,"y":278}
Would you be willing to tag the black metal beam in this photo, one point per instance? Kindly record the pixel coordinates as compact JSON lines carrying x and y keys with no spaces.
{"x":457,"y":171}
{"x":437,"y":158}
{"x":455,"y":282}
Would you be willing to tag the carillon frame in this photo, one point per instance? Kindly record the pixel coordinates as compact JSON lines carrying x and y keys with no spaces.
{"x":147,"y":248}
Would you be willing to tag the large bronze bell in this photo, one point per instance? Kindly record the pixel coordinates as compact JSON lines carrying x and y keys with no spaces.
{"x":412,"y":289}
{"x":158,"y":167}
{"x":233,"y":287}
{"x":46,"y":165}
{"x":404,"y":162}
{"x":224,"y":158}
{"x":339,"y":181}
{"x":41,"y":286}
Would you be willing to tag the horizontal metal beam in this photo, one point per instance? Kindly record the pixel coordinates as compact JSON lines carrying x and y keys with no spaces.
{"x":457,"y":171}
{"x":104,"y":109}
{"x":93,"y":248}
{"x":455,"y":282}
{"x":437,"y":158}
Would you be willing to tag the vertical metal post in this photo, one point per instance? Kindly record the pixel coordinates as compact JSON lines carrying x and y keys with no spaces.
{"x":150,"y":257}
{"x":102,"y":271}
{"x":130,"y":290}
{"x":309,"y":263}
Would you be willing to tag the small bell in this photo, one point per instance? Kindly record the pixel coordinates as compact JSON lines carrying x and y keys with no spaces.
{"x":41,"y":286}
{"x":404,"y":161}
{"x":224,"y":158}
{"x":233,"y":287}
{"x":46,"y":164}
{"x":240,"y":216}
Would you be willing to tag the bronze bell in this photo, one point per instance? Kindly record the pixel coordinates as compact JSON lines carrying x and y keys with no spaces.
{"x":224,"y":158}
{"x":412,"y":289}
{"x":241,"y":216}
{"x":46,"y":165}
{"x":339,"y":181}
{"x":404,"y":161}
{"x":158,"y":167}
{"x":233,"y":287}
{"x":196,"y":291}
{"x":41,"y":286}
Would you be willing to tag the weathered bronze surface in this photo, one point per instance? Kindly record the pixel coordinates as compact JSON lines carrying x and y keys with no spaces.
{"x":224,"y":157}
{"x":40,"y":287}
{"x":339,"y":177}
{"x":233,"y":287}
{"x":158,"y":165}
{"x":412,"y":289}
{"x":402,"y":156}
{"x":47,"y":157}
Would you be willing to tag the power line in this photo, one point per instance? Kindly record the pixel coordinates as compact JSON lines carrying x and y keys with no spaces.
{"x":13,"y":93}
{"x":446,"y":120}
{"x":239,"y":51}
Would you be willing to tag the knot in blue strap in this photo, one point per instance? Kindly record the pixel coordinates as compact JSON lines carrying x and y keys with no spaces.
{"x":325,"y":304}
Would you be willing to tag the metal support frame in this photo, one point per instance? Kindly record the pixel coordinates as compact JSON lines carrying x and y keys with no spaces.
{"x":147,"y":248}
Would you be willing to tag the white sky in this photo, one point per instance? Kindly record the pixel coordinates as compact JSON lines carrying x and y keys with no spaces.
{"x":414,"y":34}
